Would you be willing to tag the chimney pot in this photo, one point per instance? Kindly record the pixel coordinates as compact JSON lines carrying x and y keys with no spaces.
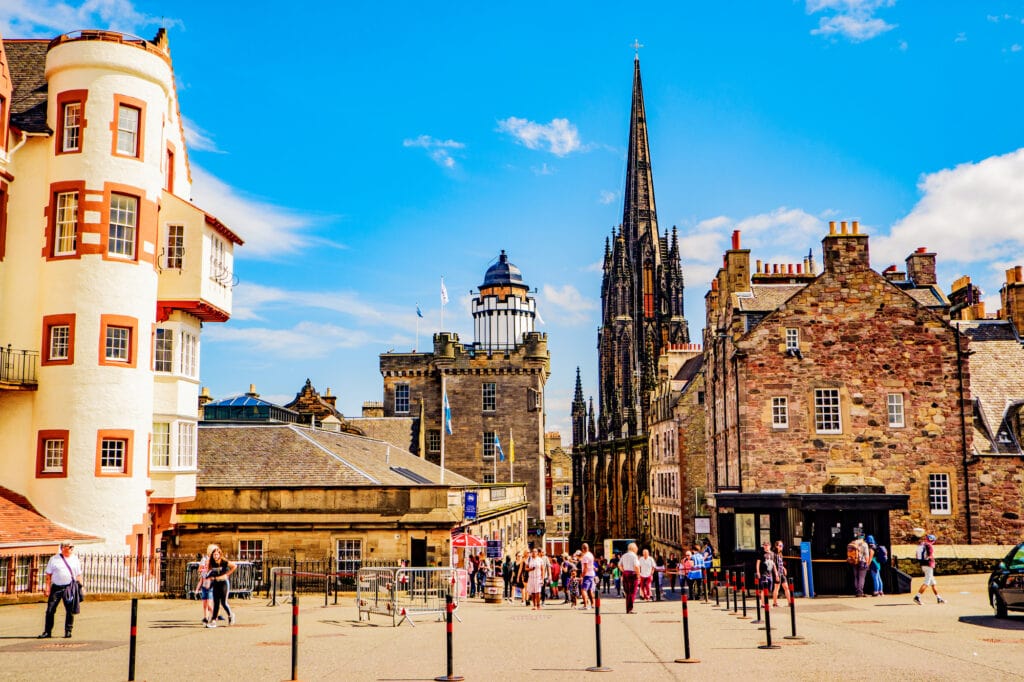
{"x":831,"y":227}
{"x":843,"y":227}
{"x":922,"y":249}
{"x":1018,"y":274}
{"x":856,"y":227}
{"x":759,"y":266}
{"x":735,"y":240}
{"x":252,"y":388}
{"x":799,"y":269}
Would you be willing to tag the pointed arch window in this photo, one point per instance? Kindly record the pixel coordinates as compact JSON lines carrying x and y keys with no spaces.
{"x":648,"y":291}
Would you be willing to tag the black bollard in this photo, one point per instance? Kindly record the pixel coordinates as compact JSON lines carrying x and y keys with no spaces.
{"x":792,"y":614}
{"x":735,"y":594}
{"x":295,"y":634}
{"x":686,"y":629}
{"x":131,"y":640}
{"x":717,"y":585}
{"x":449,"y":605}
{"x":743,"y":586}
{"x":757,"y":603}
{"x":597,"y":632}
{"x":767,"y":625}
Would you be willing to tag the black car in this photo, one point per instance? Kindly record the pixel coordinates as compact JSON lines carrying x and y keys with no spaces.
{"x":1006,"y":584}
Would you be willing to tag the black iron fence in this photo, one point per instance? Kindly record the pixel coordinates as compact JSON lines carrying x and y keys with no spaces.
{"x":176,"y":575}
{"x":18,"y":366}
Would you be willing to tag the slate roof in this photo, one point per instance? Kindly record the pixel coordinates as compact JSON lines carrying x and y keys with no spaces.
{"x":293,"y":456}
{"x":929,"y":297}
{"x":22,"y":526}
{"x":997,"y":382}
{"x":690,"y":369}
{"x":27,"y":62}
{"x":767,"y":297}
{"x":399,"y":431}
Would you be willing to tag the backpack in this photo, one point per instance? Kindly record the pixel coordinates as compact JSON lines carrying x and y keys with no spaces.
{"x":923,"y":553}
{"x":881,"y":555}
{"x":852,"y":554}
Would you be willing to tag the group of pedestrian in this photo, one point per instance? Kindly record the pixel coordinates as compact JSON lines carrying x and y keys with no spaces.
{"x":770,"y":570}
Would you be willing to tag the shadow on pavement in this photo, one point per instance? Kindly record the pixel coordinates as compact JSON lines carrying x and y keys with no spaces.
{"x":993,"y":622}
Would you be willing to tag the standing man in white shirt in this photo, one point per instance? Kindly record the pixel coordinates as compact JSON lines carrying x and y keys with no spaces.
{"x":589,"y":575}
{"x":63,"y":580}
{"x":628,"y":564}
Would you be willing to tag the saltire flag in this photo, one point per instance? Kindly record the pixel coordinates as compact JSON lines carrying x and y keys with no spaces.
{"x":447,"y":415}
{"x":511,"y":448}
{"x":419,"y":313}
{"x":497,"y":447}
{"x":444,"y":293}
{"x":539,"y":318}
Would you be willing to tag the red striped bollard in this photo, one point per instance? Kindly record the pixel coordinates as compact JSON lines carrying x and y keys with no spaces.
{"x":743,"y":589}
{"x":767,"y":624}
{"x":449,"y":605}
{"x":735,"y":595}
{"x":686,"y":629}
{"x":597,"y":633}
{"x":131,"y":641}
{"x":792,"y":614}
{"x":717,"y":586}
{"x":757,"y":602}
{"x":295,"y":632}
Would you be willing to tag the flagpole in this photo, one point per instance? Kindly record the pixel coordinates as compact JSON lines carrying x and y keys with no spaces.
{"x":416,"y":349}
{"x":511,"y":458}
{"x":444,"y":425}
{"x":444,"y":299}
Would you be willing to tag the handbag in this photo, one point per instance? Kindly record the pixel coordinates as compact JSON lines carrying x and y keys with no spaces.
{"x":75,"y":591}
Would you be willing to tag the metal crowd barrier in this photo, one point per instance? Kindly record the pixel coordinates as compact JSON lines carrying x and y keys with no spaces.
{"x":406,"y":593}
{"x":241,"y":582}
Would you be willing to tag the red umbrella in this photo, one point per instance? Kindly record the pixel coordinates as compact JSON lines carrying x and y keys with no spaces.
{"x":467,"y":540}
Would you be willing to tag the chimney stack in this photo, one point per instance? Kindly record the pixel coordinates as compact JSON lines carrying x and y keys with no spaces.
{"x":921,"y":267}
{"x":845,"y":252}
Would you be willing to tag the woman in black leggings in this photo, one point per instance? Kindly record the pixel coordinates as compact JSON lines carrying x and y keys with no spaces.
{"x":219,"y":569}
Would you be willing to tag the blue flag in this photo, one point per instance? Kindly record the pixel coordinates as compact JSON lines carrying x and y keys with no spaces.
{"x":419,"y":313}
{"x":497,"y":448}
{"x":447,"y":415}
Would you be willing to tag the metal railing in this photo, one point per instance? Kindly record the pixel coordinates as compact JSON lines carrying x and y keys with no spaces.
{"x":18,"y":366}
{"x":172,"y":575}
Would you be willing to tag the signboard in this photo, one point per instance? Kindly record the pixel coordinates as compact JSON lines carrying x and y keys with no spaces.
{"x":702,"y":525}
{"x":494,"y":549}
{"x":469,"y":506}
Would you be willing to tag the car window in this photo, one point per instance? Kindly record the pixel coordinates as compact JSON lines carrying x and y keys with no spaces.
{"x":1016,"y":558}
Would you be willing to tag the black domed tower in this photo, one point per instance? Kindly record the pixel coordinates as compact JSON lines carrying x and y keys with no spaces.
{"x":503,"y":311}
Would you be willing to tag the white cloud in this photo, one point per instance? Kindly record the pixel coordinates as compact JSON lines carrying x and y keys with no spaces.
{"x":572,"y":307}
{"x":196,"y":138}
{"x":438,"y":150}
{"x":559,"y":137}
{"x":1015,"y":47}
{"x":961,"y":37}
{"x":251,"y":301}
{"x":268,"y":230}
{"x":854,"y":20}
{"x":973,"y":213}
{"x":607,"y":197}
{"x":304,"y":340}
{"x":542,"y":169}
{"x":45,"y":18}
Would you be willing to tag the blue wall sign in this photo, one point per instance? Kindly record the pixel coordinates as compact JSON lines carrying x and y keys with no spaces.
{"x":470,"y":506}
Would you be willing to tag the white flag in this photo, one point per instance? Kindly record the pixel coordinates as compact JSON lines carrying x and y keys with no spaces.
{"x":444,"y":293}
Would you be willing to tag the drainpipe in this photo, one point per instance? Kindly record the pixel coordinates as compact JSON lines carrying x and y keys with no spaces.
{"x":739,"y":441}
{"x":963,"y":434}
{"x":21,"y":143}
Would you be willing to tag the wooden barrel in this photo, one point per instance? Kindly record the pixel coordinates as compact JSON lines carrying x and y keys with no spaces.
{"x":494,"y":589}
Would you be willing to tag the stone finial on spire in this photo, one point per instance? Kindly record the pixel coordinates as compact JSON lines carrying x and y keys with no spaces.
{"x":636,"y":46}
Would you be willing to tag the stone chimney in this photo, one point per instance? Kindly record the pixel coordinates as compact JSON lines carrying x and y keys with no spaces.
{"x":331,"y":400}
{"x":894,"y":275}
{"x":1011,"y":296}
{"x":845,"y":250}
{"x":373,"y":408}
{"x":921,"y":268}
{"x":737,"y":266}
{"x":204,"y":397}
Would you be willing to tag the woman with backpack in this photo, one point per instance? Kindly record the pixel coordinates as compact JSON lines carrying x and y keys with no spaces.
{"x":879,"y":558}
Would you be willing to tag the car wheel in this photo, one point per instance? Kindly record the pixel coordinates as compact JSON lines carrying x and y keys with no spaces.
{"x":998,"y":605}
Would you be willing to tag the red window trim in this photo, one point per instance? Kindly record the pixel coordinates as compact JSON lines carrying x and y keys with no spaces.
{"x":3,"y":219}
{"x":124,"y":321}
{"x":49,"y":249}
{"x":128,"y":436}
{"x":70,"y":97}
{"x":140,"y":139}
{"x":53,"y":434}
{"x":110,"y":189}
{"x":50,"y":321}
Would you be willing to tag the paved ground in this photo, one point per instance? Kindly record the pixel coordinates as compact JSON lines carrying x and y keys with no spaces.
{"x":844,"y":637}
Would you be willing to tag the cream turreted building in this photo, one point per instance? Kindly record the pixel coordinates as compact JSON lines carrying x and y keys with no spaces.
{"x":107,"y":272}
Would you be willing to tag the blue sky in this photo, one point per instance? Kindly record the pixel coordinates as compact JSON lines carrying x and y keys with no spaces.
{"x":365,"y":150}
